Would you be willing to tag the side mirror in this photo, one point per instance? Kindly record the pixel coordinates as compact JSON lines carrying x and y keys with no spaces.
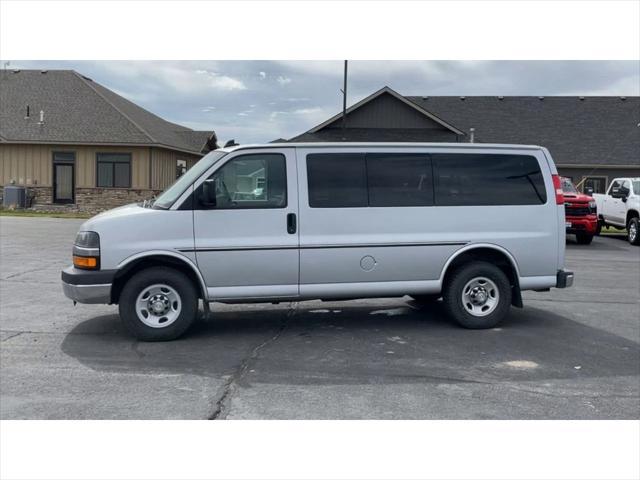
{"x":208,"y":193}
{"x":588,"y":191}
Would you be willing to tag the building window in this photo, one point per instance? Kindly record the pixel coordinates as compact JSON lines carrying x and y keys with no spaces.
{"x":597,"y":184}
{"x":114,"y":170}
{"x":181,"y":168}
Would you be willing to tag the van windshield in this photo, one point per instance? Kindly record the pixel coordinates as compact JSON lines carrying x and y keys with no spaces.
{"x":172,"y":193}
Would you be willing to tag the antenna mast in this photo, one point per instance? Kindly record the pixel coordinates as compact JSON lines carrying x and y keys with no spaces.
{"x":344,"y":103}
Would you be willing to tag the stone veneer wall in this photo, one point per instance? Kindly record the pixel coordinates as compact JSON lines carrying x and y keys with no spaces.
{"x":89,"y":200}
{"x":100,"y":199}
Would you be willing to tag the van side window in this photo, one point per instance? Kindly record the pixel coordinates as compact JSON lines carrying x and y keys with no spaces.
{"x":399,"y":180}
{"x":251,"y":181}
{"x":369,"y":180}
{"x":337,"y":180}
{"x":487,"y":179}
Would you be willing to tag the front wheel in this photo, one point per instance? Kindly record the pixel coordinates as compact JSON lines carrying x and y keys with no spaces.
{"x":632,"y":231}
{"x":477,"y":295}
{"x":598,"y":227}
{"x":158,"y":304}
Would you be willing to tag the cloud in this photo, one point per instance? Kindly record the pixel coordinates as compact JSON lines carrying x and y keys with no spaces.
{"x":307,"y":111}
{"x":262,"y":75}
{"x":222,"y":82}
{"x":274,"y":115}
{"x":283,"y":80}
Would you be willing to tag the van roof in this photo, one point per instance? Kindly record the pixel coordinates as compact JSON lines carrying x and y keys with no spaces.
{"x":382,"y":145}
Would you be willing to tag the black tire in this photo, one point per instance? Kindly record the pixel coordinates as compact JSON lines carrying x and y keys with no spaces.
{"x":598,"y":228}
{"x":633,"y":231}
{"x":583,"y":238}
{"x":453,"y":290}
{"x":427,"y":299}
{"x":173,"y":279}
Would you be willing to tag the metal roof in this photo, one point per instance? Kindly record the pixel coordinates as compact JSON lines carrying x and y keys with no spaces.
{"x":78,"y":110}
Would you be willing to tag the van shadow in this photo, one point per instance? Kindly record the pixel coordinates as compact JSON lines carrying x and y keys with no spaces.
{"x":349,"y":343}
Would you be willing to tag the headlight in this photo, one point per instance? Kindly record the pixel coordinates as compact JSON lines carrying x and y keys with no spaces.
{"x":86,"y":251}
{"x":87,"y":239}
{"x":593,"y":206}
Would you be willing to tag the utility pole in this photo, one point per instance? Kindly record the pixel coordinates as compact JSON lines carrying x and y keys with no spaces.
{"x":344,"y":103}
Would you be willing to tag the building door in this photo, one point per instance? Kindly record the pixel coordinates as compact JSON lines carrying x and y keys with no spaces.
{"x":64,"y":177}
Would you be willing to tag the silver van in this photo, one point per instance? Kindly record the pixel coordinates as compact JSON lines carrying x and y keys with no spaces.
{"x":473,"y":224}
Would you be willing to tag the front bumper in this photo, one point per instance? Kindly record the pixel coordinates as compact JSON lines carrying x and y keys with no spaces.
{"x":587,"y":225}
{"x":564,"y":279}
{"x":85,"y":286}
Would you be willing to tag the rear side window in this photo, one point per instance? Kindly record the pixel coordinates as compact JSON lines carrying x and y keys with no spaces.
{"x":337,"y":180}
{"x":487,"y":179}
{"x":369,"y":180}
{"x":399,"y":180}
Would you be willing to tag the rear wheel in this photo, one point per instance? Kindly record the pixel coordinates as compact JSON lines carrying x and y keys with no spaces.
{"x":477,"y":295}
{"x":584,"y":238}
{"x":633,"y":234}
{"x":158,"y":304}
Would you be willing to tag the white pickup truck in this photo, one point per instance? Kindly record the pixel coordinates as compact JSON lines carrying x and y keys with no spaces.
{"x":620,"y":207}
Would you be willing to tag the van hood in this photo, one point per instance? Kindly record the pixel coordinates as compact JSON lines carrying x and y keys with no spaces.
{"x":126,"y":211}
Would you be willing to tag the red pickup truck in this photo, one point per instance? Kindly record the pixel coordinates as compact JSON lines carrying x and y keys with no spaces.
{"x":581,"y":218}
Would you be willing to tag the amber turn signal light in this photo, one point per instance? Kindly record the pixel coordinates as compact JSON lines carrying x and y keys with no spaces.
{"x":85,"y":262}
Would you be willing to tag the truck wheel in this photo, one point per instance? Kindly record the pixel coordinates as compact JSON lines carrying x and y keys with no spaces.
{"x":632,"y":231}
{"x":583,"y":238}
{"x":598,"y":227}
{"x":158,"y":304}
{"x":477,"y":295}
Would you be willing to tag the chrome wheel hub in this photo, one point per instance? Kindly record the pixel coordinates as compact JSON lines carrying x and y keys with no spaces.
{"x":633,"y":231}
{"x":158,"y":306}
{"x":480,"y":296}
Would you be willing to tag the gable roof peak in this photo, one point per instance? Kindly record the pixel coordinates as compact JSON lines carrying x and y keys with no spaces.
{"x":388,"y":90}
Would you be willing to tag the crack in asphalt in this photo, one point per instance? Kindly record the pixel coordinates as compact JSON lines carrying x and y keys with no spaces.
{"x":24,"y":272}
{"x":567,"y":395}
{"x":13,"y":336}
{"x":223,"y":403}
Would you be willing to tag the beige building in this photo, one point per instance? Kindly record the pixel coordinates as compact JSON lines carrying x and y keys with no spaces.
{"x":70,"y":141}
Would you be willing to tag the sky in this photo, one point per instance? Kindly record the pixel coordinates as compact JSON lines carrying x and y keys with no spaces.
{"x":259,"y":101}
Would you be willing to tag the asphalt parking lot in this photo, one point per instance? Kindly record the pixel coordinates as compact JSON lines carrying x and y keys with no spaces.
{"x":569,"y":354}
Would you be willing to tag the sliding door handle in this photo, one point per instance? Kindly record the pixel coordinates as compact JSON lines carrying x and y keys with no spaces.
{"x":291,"y":223}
